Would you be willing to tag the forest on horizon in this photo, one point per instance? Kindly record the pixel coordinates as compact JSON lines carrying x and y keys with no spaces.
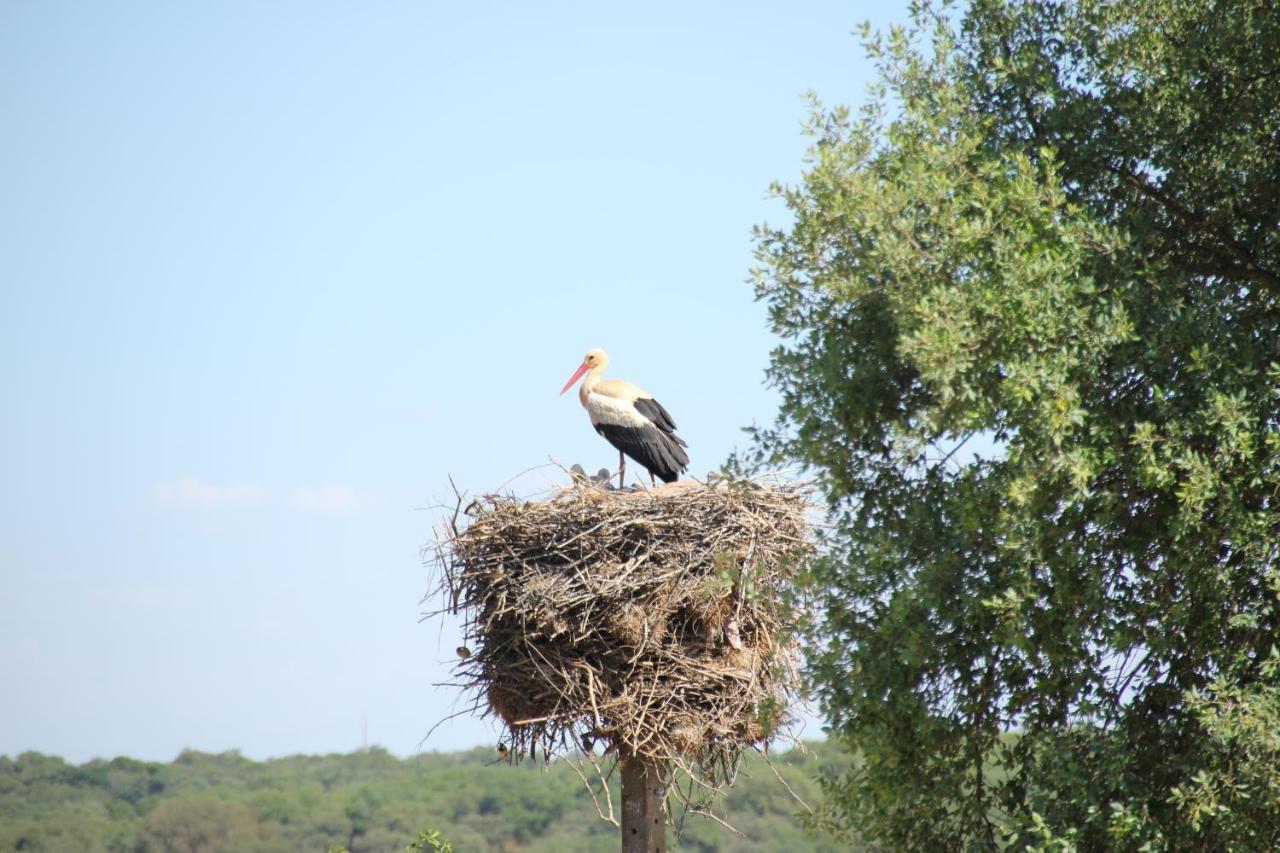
{"x":368,"y":802}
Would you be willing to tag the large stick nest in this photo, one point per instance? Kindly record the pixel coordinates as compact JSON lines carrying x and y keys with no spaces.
{"x":652,"y":623}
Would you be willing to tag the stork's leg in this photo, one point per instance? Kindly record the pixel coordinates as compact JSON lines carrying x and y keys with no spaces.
{"x":652,"y":482}
{"x":622,"y":468}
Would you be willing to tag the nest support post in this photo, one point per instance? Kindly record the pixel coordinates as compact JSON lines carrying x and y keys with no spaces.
{"x":644,"y":805}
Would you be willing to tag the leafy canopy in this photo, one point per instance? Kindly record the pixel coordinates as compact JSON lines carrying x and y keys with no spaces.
{"x":1030,"y":311}
{"x":370,"y":801}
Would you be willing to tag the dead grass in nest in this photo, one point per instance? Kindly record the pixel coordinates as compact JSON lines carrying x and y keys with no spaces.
{"x":650,"y":624}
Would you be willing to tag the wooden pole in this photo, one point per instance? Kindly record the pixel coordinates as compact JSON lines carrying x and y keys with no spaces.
{"x":644,"y":810}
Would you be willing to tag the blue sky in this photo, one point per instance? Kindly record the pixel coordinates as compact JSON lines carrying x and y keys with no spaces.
{"x":272,"y":272}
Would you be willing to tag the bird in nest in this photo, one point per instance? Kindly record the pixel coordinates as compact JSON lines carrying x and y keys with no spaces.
{"x":631,"y":420}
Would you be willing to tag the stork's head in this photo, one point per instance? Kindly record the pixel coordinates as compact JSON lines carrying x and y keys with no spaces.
{"x":595,"y":358}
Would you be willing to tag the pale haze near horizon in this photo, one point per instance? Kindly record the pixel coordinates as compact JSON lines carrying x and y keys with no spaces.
{"x":273,"y":273}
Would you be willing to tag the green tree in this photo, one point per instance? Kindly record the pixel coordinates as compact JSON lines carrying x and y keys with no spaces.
{"x":198,"y":824}
{"x":1030,"y":311}
{"x":367,"y":801}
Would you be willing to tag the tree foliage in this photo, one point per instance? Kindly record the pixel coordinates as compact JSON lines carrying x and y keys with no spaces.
{"x":198,"y":824}
{"x":1030,"y":311}
{"x":364,"y":802}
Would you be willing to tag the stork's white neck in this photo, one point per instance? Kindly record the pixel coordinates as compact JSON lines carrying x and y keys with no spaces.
{"x":589,"y":384}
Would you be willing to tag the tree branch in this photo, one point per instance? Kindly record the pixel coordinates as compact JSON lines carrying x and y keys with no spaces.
{"x":1240,"y":265}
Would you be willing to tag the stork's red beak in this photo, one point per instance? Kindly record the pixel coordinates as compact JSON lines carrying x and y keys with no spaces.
{"x":575,"y":377}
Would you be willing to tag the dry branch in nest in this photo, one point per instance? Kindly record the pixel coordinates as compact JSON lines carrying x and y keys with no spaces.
{"x":649,"y":623}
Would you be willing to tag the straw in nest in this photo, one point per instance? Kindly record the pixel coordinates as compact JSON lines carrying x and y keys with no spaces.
{"x":651,"y":623}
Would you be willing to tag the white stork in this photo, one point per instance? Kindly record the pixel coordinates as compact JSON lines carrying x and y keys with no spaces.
{"x":631,"y":420}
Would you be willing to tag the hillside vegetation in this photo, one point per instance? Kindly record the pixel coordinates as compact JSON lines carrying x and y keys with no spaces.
{"x":366,"y":801}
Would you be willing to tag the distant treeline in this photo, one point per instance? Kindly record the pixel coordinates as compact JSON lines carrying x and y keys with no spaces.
{"x":367,"y":801}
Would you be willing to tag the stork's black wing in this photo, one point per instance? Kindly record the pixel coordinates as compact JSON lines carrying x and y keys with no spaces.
{"x":659,"y":416}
